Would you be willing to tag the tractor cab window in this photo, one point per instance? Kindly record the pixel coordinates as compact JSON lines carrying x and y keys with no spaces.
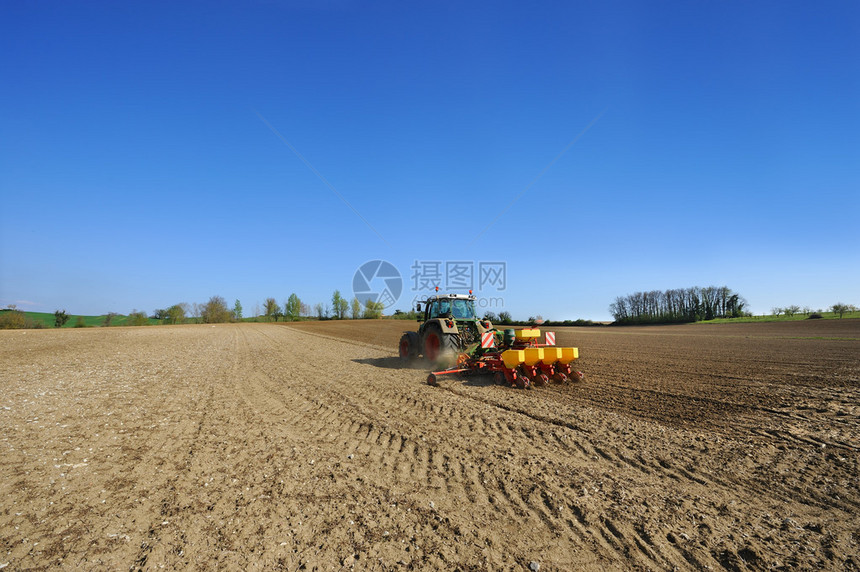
{"x":440,"y":308}
{"x":463,"y":310}
{"x":459,"y":309}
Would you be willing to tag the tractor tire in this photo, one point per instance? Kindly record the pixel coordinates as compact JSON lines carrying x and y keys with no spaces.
{"x":433,"y":343}
{"x":451,"y":343}
{"x":409,"y":346}
{"x":437,"y":344}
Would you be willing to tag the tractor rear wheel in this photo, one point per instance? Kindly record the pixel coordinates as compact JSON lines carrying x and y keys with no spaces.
{"x":408,"y":346}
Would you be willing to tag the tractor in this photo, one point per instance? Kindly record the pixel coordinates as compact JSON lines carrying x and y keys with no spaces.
{"x":451,"y":327}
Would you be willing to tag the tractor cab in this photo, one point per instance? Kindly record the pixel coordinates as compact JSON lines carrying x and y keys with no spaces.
{"x":449,"y":323}
{"x":450,"y":306}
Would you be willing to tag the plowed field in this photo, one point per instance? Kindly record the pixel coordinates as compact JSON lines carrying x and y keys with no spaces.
{"x":308,"y":446}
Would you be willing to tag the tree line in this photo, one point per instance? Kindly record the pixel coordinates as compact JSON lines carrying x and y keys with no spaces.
{"x":678,"y":305}
{"x":669,"y":306}
{"x":341,"y":308}
{"x":839,"y":308}
{"x":293,"y":308}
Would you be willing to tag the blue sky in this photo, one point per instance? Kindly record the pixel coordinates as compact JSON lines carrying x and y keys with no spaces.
{"x":713,"y":144}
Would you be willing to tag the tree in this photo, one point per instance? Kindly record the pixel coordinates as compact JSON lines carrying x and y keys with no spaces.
{"x":373,"y":310}
{"x":271,"y":308}
{"x":237,"y":310}
{"x":339,"y":305}
{"x":196,"y":311}
{"x":335,"y":302}
{"x":12,"y":318}
{"x":176,"y":313}
{"x":505,"y":318}
{"x":791,"y":310}
{"x":293,"y":307}
{"x":356,"y":309}
{"x":318,"y":308}
{"x":776,"y":311}
{"x":160,"y":315}
{"x":60,"y":318}
{"x":80,"y":322}
{"x":491,"y":317}
{"x":215,"y":311}
{"x":108,"y":319}
{"x":840,"y":308}
{"x":137,"y":319}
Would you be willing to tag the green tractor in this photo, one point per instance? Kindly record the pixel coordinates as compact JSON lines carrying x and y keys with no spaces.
{"x":449,"y":325}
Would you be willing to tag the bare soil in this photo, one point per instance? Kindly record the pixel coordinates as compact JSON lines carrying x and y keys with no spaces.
{"x":309,"y":446}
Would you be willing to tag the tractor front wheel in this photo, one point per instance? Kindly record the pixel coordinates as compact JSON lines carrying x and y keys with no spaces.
{"x":451,"y":343}
{"x":433,"y":344}
{"x":437,"y":343}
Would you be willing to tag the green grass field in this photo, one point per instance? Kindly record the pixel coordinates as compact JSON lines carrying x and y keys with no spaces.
{"x":46,"y":320}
